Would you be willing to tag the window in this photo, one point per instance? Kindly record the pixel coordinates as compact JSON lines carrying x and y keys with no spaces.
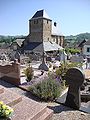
{"x":47,"y":21}
{"x":37,"y":22}
{"x":34,"y":21}
{"x":56,"y":39}
{"x":88,"y":49}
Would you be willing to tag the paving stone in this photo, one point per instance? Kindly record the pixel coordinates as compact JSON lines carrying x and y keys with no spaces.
{"x":10,"y":98}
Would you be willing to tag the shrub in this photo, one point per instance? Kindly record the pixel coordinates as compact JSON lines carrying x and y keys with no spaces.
{"x":29,"y":73}
{"x":5,"y":110}
{"x":47,"y":89}
{"x":72,"y":50}
{"x":61,"y":71}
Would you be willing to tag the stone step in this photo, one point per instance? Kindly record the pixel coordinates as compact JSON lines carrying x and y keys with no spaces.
{"x":28,"y":109}
{"x":47,"y":115}
{"x":1,"y":89}
{"x":10,"y":98}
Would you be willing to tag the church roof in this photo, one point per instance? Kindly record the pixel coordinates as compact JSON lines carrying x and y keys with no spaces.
{"x":42,"y":46}
{"x":31,"y":45}
{"x":41,"y":14}
{"x":47,"y":46}
{"x":19,"y":41}
{"x":56,"y":30}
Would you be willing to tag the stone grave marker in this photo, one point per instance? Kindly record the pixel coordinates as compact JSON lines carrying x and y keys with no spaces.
{"x":72,"y":98}
{"x":74,"y":78}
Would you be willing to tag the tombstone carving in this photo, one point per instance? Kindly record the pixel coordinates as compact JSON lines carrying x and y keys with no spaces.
{"x":74,"y":78}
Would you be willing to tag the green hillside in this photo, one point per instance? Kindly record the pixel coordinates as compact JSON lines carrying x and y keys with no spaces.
{"x":78,"y":37}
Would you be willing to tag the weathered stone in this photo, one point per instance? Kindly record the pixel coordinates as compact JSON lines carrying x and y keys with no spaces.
{"x":74,"y":78}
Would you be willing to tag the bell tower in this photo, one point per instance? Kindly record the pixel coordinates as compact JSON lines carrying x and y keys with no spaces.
{"x":40,"y":27}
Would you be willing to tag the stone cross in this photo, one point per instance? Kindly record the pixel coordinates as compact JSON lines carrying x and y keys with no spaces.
{"x":74,"y":78}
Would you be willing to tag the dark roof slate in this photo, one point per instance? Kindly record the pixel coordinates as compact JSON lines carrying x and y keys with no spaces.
{"x":40,"y":14}
{"x":31,"y":45}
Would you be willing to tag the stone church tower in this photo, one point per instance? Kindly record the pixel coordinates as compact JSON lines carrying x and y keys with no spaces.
{"x":43,"y":31}
{"x":40,"y":26}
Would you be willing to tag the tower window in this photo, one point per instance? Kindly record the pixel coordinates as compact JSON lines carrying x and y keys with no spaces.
{"x":47,"y":21}
{"x":34,"y":21}
{"x":37,"y":21}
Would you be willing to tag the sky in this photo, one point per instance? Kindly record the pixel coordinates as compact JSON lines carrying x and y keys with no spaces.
{"x":72,"y":16}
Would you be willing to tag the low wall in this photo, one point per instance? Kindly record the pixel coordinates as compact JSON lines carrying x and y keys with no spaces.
{"x":10,"y":73}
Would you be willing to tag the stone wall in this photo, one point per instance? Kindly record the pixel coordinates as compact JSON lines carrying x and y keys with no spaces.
{"x":10,"y":73}
{"x":36,"y":30}
{"x":47,"y":27}
{"x":39,"y":30}
{"x":58,"y":39}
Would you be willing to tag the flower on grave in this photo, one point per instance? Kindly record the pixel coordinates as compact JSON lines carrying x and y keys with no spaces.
{"x":5,"y":110}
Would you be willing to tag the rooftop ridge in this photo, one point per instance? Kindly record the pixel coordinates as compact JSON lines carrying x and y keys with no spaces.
{"x":41,"y":14}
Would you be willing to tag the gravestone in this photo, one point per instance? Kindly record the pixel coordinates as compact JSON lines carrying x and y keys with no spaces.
{"x":74,"y":78}
{"x":43,"y":65}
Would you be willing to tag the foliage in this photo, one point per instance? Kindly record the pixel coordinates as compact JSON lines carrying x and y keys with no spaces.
{"x":29,"y":73}
{"x":5,"y":110}
{"x":10,"y":39}
{"x":83,"y":36}
{"x":72,"y":50}
{"x":47,"y":89}
{"x":61,"y":71}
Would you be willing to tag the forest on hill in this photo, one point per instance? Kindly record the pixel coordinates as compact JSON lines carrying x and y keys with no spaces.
{"x":78,"y":37}
{"x":9,"y":39}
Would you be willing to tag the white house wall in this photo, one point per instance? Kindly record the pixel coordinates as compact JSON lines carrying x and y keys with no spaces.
{"x":85,"y":50}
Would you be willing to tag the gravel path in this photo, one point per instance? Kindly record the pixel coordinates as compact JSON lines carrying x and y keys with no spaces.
{"x":60,"y":112}
{"x":64,"y":113}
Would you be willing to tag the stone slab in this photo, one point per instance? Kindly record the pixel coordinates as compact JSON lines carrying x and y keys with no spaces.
{"x":10,"y":98}
{"x":28,"y":109}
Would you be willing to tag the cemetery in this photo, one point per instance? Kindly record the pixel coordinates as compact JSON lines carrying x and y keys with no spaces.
{"x":39,"y":79}
{"x":53,"y":81}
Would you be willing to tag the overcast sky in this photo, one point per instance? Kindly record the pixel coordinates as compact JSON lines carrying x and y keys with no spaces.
{"x":73,"y":16}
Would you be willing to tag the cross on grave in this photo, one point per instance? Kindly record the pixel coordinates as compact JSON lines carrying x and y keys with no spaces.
{"x":74,"y":78}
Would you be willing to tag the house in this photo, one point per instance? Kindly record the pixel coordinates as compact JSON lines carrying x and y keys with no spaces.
{"x":81,"y":45}
{"x":42,"y":34}
{"x":86,"y":49}
{"x":16,"y":45}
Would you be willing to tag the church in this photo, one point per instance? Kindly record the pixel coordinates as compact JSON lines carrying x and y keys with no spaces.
{"x":44,"y":34}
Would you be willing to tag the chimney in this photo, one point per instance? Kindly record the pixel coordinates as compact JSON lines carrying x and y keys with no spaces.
{"x":55,"y":24}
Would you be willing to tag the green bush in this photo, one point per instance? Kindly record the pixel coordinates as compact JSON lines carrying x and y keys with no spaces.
{"x":29,"y":73}
{"x":61,"y":71}
{"x":47,"y":89}
{"x":72,"y":50}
